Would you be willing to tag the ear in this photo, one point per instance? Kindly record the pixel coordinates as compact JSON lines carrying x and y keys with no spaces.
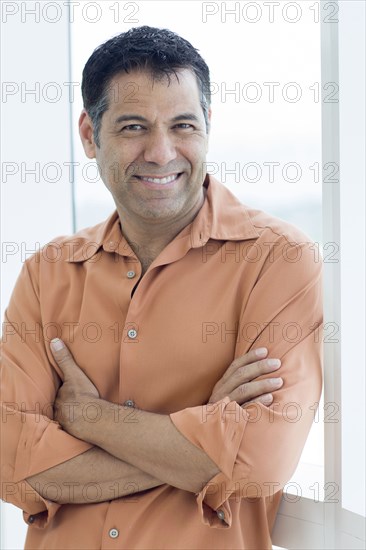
{"x":209,"y":127}
{"x":209,"y":115}
{"x":87,"y":134}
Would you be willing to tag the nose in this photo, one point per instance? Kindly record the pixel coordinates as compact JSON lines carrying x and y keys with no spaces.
{"x":160,"y":147}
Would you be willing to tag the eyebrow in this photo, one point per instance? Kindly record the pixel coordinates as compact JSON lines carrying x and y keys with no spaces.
{"x":139,"y":118}
{"x":125,"y":118}
{"x":186,"y":116}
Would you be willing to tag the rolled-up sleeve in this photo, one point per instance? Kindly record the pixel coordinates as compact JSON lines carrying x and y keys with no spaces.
{"x":257,"y":448}
{"x":31,"y":442}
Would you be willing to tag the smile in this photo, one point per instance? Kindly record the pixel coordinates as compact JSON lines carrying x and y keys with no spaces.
{"x":157,"y":182}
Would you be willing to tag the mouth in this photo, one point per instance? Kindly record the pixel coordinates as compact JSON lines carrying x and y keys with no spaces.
{"x":157,"y":182}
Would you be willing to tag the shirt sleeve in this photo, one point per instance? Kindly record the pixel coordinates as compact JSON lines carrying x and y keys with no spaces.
{"x":257,"y":448}
{"x":32,"y":441}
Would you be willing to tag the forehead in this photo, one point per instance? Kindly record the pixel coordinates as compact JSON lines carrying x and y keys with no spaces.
{"x":140,"y":90}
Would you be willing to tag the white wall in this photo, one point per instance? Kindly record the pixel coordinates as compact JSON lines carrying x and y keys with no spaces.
{"x":35,"y":130}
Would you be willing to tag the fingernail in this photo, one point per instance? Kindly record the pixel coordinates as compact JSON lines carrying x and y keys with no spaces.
{"x":277,"y":381}
{"x":261,"y":351}
{"x":274,"y":362}
{"x":267,"y":398}
{"x":57,"y":344}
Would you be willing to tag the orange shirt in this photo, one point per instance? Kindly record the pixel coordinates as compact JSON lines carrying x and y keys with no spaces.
{"x":234,"y":279}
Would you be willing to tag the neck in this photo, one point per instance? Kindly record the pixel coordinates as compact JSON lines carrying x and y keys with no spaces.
{"x":148,"y":237}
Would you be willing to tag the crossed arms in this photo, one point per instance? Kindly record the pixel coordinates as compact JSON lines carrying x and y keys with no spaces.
{"x":142,"y":453}
{"x":232,"y":441}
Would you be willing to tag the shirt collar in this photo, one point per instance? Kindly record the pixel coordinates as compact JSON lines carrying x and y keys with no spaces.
{"x":222,"y":217}
{"x":88,"y":242}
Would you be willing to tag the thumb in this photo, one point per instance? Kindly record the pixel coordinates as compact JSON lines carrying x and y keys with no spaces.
{"x":62,"y":356}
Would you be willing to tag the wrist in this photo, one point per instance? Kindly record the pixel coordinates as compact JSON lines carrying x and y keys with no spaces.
{"x":104,"y":423}
{"x":94,"y":420}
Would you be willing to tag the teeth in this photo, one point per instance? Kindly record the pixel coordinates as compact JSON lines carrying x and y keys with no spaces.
{"x":162,"y":181}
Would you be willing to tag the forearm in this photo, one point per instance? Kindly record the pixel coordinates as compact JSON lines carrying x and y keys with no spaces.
{"x":93,"y":476}
{"x":151,"y":443}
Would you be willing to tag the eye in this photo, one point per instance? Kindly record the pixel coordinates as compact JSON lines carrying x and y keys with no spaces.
{"x":132,"y":128}
{"x":184,"y":126}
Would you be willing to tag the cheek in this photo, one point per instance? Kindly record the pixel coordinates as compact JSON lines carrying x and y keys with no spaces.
{"x":198,"y":160}
{"x":108,"y":170}
{"x":195,"y":152}
{"x":125,"y":154}
{"x":110,"y":166}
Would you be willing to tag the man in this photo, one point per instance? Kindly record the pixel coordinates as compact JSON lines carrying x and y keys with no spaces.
{"x":171,"y":389}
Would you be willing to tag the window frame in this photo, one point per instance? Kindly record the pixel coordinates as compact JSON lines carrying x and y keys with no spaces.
{"x":307,"y":524}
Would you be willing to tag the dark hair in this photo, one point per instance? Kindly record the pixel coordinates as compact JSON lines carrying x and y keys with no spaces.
{"x":159,"y":51}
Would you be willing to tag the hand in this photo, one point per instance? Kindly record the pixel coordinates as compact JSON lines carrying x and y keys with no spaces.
{"x":76,"y":402}
{"x":239,"y":381}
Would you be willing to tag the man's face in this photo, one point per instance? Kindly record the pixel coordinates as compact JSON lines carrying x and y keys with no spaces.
{"x":153,"y":145}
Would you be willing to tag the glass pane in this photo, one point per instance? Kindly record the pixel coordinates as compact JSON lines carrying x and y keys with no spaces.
{"x":352,"y":204}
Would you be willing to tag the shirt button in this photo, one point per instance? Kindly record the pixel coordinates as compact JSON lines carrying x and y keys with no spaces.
{"x":130,"y":274}
{"x":220,"y":514}
{"x":113,"y":533}
{"x":132,"y":333}
{"x":129,"y":403}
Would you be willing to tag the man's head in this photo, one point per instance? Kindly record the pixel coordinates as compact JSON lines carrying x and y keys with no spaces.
{"x":146,"y":121}
{"x":159,"y":52}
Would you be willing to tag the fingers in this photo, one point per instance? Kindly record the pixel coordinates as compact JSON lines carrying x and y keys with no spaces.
{"x":265,"y":399}
{"x":248,"y":373}
{"x":252,"y":356}
{"x":240,"y":381}
{"x":257,"y":390}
